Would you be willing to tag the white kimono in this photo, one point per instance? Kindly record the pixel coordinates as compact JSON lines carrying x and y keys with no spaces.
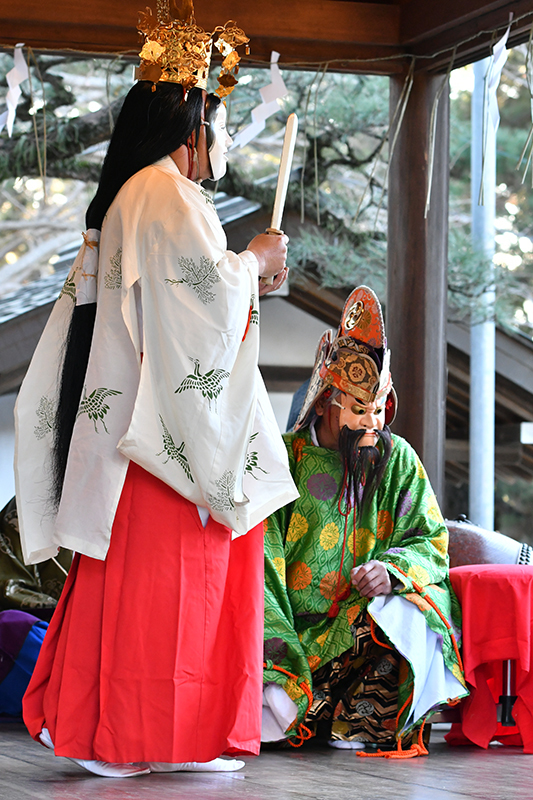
{"x":174,"y":387}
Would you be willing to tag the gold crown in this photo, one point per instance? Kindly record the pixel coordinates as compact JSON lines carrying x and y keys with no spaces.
{"x":177,"y":50}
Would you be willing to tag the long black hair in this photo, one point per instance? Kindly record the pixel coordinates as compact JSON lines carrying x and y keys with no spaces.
{"x":151,"y":124}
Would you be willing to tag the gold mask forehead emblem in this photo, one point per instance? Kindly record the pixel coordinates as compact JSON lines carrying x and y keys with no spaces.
{"x":354,"y":315}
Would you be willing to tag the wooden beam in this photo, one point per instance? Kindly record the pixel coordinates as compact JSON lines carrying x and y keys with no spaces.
{"x":352,"y":36}
{"x":514,"y":398}
{"x":428,"y":28}
{"x":417,"y":247}
{"x":340,"y":56}
{"x":331,"y":21}
{"x":325,"y":304}
{"x":334,"y":21}
{"x":421,"y":20}
{"x":301,"y":30}
{"x":512,"y":457}
{"x":284,"y":379}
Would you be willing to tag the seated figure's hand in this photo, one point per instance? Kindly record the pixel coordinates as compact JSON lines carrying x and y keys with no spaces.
{"x":371,"y":579}
{"x":271,"y":253}
{"x":279,"y":280}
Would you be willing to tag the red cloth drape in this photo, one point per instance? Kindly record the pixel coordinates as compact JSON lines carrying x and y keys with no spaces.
{"x":497,"y":605}
{"x":155,"y":654}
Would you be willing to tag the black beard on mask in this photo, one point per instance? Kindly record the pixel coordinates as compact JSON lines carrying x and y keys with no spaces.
{"x":363,"y":466}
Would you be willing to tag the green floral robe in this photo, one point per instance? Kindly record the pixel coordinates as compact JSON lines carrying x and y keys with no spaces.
{"x":403,"y":527}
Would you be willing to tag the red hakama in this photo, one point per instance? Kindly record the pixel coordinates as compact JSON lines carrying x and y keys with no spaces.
{"x":155,"y":654}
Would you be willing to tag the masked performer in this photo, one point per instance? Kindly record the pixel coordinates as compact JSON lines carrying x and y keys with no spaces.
{"x":361,"y":625}
{"x":157,"y":456}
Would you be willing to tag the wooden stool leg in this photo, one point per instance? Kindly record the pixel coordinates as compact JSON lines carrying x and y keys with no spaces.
{"x":508,"y":697}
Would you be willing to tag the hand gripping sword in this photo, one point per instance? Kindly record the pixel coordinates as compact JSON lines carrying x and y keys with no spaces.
{"x":284,"y":175}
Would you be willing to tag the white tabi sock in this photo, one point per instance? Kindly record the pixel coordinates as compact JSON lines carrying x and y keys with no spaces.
{"x":216,"y":765}
{"x":46,"y":739}
{"x":110,"y":770}
{"x":101,"y":768}
{"x":341,"y":744}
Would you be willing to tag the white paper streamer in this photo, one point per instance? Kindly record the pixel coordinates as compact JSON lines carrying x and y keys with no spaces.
{"x":499,"y":57}
{"x":433,"y":130}
{"x":529,"y":78}
{"x":14,"y":78}
{"x":269,"y":96}
{"x":491,"y":112}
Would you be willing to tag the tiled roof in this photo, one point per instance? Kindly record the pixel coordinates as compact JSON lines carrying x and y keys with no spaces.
{"x":33,"y":295}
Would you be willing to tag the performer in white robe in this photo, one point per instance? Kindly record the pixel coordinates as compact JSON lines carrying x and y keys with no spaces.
{"x":154,"y":654}
{"x":194,"y":413}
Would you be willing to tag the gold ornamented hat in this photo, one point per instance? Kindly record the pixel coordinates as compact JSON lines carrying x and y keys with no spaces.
{"x":356,"y":361}
{"x":177,"y":50}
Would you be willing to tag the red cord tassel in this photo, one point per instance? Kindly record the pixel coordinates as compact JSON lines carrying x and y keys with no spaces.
{"x":333,"y":610}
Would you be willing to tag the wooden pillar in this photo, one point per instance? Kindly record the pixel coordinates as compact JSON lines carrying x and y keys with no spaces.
{"x":417,"y":261}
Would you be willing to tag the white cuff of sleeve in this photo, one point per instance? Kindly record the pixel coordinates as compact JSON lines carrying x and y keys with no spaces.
{"x":250,"y":260}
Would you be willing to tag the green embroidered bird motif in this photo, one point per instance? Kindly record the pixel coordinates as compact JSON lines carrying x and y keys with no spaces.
{"x":69,"y":288}
{"x":174,"y":453}
{"x":94,"y":405}
{"x":208,"y":384}
{"x":252,"y":460}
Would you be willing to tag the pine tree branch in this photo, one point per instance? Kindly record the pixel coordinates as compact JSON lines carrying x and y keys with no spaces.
{"x":66,"y":140}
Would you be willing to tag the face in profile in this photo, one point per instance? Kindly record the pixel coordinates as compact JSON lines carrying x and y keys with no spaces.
{"x":218,"y":150}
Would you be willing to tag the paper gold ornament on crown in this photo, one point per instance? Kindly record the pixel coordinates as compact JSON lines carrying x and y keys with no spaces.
{"x":177,"y":50}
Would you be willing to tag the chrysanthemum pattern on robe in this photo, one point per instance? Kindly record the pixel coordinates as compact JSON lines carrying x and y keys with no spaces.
{"x":113,"y":277}
{"x":208,"y":198}
{"x":46,"y":416}
{"x":223,"y":500}
{"x":199,"y":276}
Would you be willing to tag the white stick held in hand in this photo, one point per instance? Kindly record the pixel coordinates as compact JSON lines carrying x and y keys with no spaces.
{"x":284,"y":175}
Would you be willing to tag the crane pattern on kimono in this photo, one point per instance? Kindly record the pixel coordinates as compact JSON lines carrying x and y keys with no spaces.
{"x":173,"y":452}
{"x":252,"y":459}
{"x":95,"y":406}
{"x":209,"y":384}
{"x":69,"y":288}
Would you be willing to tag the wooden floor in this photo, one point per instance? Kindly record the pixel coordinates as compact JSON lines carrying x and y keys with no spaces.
{"x":29,"y":771}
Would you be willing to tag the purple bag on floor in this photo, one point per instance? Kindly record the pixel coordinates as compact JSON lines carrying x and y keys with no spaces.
{"x":21,"y":637}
